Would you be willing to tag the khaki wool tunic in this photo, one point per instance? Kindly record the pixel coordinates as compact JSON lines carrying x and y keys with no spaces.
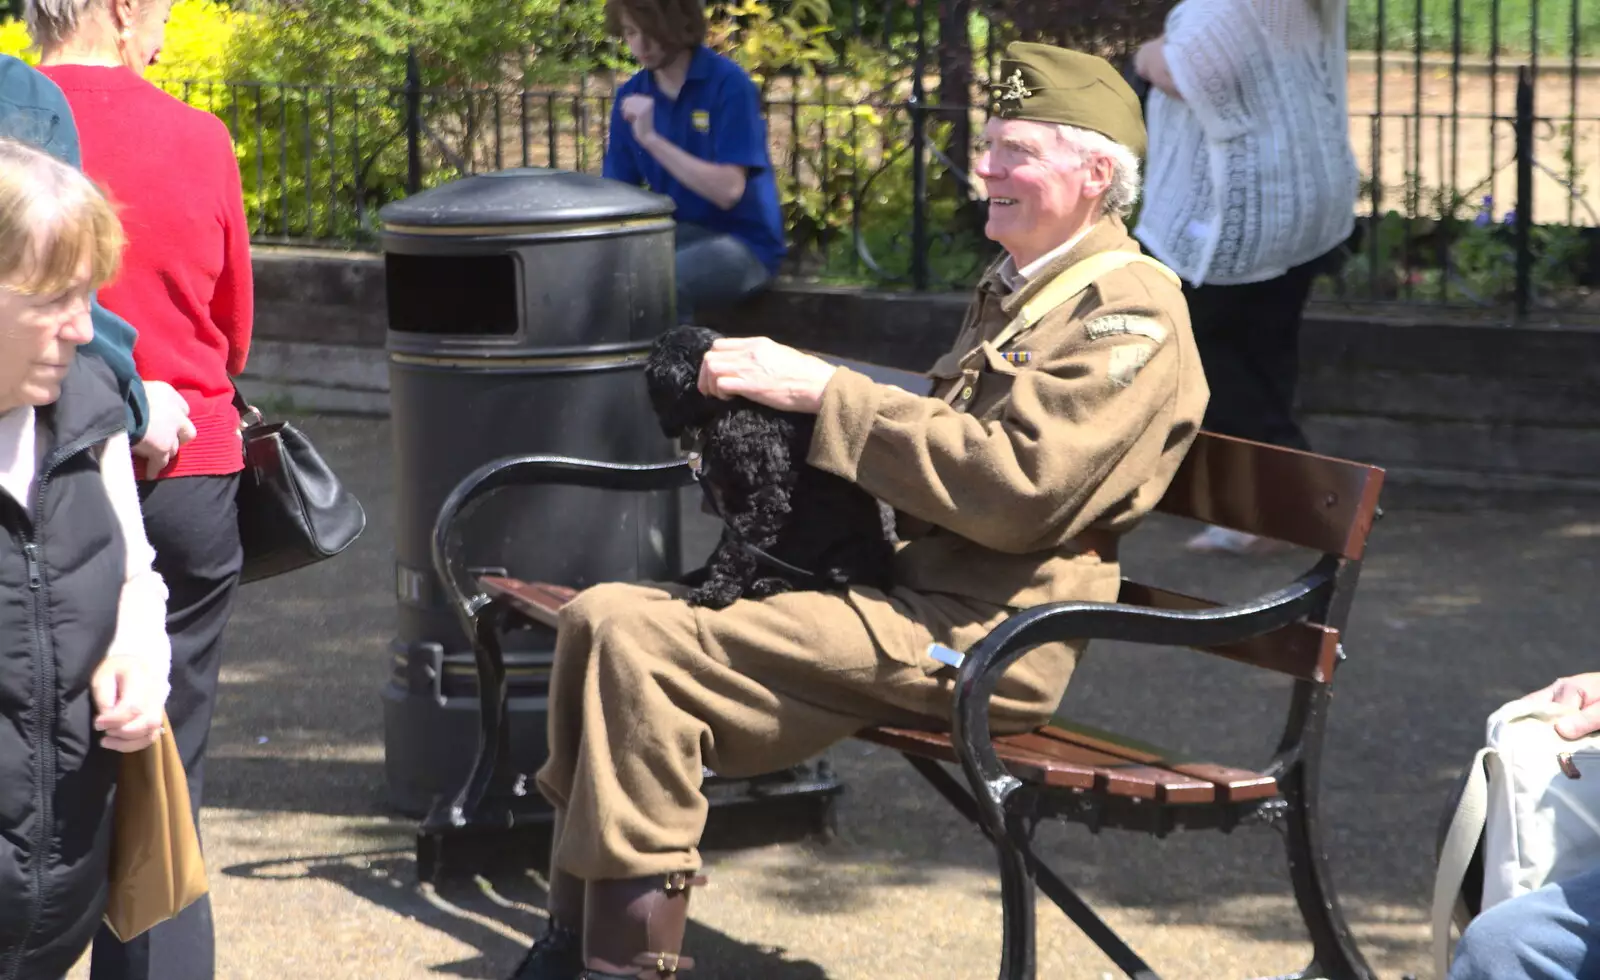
{"x":1012,"y":483}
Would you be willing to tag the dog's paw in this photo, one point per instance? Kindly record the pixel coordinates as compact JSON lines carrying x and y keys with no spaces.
{"x":763,"y":587}
{"x":715,"y":594}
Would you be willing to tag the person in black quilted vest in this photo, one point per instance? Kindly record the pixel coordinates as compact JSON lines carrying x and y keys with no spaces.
{"x":83,"y":645}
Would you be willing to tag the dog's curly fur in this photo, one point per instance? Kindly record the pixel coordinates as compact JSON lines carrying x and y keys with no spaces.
{"x":753,"y":467}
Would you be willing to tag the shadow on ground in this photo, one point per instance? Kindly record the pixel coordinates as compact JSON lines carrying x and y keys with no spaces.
{"x":493,"y":915}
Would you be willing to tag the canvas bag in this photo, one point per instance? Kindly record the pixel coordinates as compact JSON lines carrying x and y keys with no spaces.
{"x":1530,"y":804}
{"x":156,"y":867}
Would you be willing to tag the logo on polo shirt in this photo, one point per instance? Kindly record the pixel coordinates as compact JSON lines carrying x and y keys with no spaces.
{"x":702,"y":120}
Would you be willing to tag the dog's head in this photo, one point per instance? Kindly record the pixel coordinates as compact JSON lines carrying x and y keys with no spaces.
{"x":672,"y":375}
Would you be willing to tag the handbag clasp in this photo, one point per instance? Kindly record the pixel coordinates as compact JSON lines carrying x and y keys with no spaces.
{"x":1570,"y":768}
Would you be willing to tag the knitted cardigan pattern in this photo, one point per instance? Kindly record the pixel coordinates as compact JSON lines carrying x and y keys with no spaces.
{"x":1251,"y":173}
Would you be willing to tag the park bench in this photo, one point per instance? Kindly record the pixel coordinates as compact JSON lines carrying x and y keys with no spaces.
{"x":1063,"y":771}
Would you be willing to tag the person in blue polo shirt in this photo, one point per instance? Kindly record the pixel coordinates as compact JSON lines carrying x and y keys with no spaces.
{"x":689,"y":126}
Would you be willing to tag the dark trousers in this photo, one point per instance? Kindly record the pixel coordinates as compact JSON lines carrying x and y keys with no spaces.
{"x":713,"y":270}
{"x":193,"y":526}
{"x":1249,"y":339}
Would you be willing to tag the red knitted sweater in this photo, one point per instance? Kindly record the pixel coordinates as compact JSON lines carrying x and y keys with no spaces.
{"x":185,"y":283}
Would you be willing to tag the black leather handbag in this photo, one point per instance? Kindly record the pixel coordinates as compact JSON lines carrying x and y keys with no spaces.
{"x":293,"y":511}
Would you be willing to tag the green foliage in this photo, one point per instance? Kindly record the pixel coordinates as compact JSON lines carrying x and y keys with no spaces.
{"x":364,"y":42}
{"x":956,"y":253}
{"x":765,"y":42}
{"x":838,"y":110}
{"x":1477,"y":25}
{"x":1472,"y":262}
{"x":198,"y":36}
{"x":318,"y":160}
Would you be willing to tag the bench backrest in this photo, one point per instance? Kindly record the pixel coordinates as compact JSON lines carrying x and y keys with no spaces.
{"x":1317,"y":502}
{"x":1312,"y":501}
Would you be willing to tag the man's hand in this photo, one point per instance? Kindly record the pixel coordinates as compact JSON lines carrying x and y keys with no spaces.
{"x":168,"y":430}
{"x":1579,"y":694}
{"x":640,"y":112}
{"x":1150,"y":62}
{"x":766,"y":372}
{"x":128,"y":697}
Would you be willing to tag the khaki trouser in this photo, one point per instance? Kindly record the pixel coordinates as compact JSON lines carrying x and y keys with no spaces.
{"x":646,"y":689}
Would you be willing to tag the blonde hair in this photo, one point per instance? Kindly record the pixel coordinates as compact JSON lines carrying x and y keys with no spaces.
{"x":52,"y":218}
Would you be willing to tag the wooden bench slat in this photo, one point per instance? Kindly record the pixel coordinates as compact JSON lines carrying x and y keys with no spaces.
{"x":539,"y":601}
{"x":936,"y":745}
{"x":1053,"y":757}
{"x":1117,"y":775}
{"x":1233,"y":785}
{"x":1304,"y":650}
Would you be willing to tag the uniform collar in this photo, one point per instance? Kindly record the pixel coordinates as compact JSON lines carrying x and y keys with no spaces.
{"x":699,"y":64}
{"x":1106,"y":235}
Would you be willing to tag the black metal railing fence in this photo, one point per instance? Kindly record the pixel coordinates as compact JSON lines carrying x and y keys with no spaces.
{"x":1479,"y":160}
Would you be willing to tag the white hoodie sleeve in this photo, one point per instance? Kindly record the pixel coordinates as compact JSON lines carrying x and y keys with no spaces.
{"x":142,"y":608}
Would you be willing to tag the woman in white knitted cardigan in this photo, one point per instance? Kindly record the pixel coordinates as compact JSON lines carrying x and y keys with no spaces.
{"x":1250,"y":184}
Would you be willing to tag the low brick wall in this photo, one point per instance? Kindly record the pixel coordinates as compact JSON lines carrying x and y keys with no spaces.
{"x":1437,"y":403}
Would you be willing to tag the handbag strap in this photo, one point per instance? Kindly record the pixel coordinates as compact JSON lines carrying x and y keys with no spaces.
{"x":1466,"y":829}
{"x":246,"y":410}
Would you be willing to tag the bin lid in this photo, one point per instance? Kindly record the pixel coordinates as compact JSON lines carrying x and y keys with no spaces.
{"x":524,"y":196}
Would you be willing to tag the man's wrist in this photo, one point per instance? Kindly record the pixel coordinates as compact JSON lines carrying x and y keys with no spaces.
{"x":814,"y":403}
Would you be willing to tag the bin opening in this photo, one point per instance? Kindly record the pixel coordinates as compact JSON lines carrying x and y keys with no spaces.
{"x":452,"y":294}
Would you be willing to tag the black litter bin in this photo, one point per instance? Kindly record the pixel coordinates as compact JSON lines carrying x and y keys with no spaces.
{"x":522,"y":305}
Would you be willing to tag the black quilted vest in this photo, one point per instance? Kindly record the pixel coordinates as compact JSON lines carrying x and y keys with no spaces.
{"x":62,"y":565}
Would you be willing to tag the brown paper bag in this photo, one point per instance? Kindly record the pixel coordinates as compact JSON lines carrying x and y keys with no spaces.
{"x":156,"y":867}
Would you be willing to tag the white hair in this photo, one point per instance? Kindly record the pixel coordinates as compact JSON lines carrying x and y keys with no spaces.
{"x":1085,"y":145}
{"x":51,"y":23}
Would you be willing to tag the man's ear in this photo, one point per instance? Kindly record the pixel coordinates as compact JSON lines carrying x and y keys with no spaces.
{"x":1098,"y":175}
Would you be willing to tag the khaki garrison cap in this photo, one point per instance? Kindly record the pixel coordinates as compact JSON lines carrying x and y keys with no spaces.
{"x":1048,"y":84}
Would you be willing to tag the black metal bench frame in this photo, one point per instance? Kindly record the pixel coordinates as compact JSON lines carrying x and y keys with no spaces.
{"x":1328,"y":505}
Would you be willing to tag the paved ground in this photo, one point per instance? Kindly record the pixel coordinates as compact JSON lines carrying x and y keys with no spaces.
{"x":1460,"y":611}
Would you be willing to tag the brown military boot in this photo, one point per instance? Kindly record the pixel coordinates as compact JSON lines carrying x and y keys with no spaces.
{"x":633,"y":927}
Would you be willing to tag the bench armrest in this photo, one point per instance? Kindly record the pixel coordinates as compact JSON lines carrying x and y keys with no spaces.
{"x":524,"y":471}
{"x":981,"y":669}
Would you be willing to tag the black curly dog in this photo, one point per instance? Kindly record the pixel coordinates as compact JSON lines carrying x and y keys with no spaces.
{"x":786,"y":524}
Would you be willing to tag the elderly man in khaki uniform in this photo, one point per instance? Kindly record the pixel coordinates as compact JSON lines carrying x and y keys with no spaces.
{"x":1057,"y":421}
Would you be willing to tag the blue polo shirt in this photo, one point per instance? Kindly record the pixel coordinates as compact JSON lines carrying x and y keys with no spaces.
{"x":716,"y":117}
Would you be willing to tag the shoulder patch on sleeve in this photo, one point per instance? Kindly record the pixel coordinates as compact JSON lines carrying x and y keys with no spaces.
{"x":1125,"y":324}
{"x":1125,"y":362}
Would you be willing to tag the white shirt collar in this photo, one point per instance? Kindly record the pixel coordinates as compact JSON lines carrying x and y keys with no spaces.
{"x":1015,"y":278}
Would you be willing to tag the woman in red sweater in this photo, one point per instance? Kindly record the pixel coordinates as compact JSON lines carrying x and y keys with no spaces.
{"x":186,"y":285}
